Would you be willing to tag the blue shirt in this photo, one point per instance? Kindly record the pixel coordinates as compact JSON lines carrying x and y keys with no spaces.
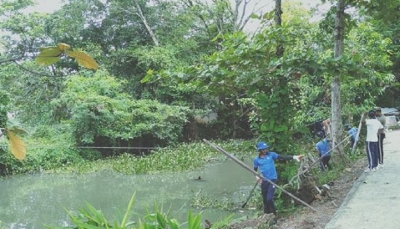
{"x":323,"y":147}
{"x":266,"y":165}
{"x":353,"y":132}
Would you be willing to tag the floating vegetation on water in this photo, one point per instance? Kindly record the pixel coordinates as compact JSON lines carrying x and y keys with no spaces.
{"x":187,"y":156}
{"x":201,"y":201}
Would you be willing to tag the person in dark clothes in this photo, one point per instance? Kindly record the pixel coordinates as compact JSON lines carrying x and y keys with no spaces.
{"x":382,"y":119}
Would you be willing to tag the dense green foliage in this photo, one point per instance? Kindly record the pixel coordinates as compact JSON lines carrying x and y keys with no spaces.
{"x":211,"y":67}
{"x":159,"y":75}
{"x":100,"y":113}
{"x":4,"y":103}
{"x":48,"y":147}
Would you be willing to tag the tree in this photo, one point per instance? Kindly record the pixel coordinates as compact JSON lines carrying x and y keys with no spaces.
{"x":342,"y":23}
{"x":336,"y":125}
{"x":383,"y":16}
{"x":222,"y":16}
{"x":145,"y":23}
{"x":101,"y":114}
{"x":17,"y":146}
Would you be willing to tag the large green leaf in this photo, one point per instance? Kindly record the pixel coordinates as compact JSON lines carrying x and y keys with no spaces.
{"x":280,"y":128}
{"x":48,"y":55}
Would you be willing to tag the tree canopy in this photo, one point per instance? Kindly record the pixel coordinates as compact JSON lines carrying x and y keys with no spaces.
{"x":165,"y":65}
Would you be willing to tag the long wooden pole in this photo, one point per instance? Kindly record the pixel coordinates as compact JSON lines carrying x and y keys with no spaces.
{"x":358,"y":134}
{"x":256,"y":174}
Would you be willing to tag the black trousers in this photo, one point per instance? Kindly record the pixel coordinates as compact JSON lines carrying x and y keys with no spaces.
{"x":381,"y":136}
{"x":352,"y":141}
{"x":268,"y":192}
{"x":325,"y":163}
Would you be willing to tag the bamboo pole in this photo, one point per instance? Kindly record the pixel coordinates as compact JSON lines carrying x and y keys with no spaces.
{"x":257,"y":174}
{"x":358,"y":134}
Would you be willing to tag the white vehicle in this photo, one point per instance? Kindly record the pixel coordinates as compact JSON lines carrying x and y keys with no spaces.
{"x":391,"y":115}
{"x":391,"y":121}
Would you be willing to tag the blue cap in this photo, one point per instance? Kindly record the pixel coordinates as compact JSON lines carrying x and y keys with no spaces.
{"x":262,"y":145}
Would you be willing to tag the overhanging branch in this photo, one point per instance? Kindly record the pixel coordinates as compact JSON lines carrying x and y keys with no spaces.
{"x":35,"y":72}
{"x":10,"y":60}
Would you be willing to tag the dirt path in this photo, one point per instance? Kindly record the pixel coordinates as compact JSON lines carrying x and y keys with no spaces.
{"x":326,"y":206}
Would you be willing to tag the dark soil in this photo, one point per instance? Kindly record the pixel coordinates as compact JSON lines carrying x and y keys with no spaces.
{"x":325,"y":204}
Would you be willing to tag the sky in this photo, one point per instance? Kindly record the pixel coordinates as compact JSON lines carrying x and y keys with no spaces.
{"x":267,"y":5}
{"x":49,"y":6}
{"x":45,"y":6}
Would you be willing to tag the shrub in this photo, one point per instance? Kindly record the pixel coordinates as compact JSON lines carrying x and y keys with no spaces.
{"x":99,"y":112}
{"x":90,"y":218}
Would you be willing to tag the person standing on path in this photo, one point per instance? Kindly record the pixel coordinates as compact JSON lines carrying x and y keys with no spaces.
{"x":382,"y":119}
{"x":323,"y":147}
{"x":374,"y":127}
{"x":265,"y":162}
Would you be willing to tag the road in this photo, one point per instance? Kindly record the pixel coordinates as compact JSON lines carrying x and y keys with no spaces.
{"x":374,"y":200}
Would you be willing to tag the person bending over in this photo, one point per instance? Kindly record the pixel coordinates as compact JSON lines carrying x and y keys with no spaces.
{"x":323,"y":147}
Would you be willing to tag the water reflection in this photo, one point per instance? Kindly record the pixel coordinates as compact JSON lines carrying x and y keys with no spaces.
{"x":30,"y":201}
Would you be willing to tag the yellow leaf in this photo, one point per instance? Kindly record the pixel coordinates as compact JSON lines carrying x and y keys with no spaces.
{"x":48,"y":55}
{"x":63,"y":47}
{"x":83,"y":59}
{"x":17,"y":146}
{"x":48,"y":48}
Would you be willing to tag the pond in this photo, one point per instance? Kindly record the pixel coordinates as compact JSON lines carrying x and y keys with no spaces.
{"x":35,"y":200}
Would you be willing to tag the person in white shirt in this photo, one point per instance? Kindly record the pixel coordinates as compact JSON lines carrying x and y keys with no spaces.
{"x":374,"y":127}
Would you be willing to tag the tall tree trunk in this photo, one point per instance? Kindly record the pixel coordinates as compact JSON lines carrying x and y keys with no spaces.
{"x":338,"y":51}
{"x":278,"y":23}
{"x":148,"y":28}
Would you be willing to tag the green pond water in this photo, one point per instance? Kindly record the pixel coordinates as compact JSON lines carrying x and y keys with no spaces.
{"x":34,"y":200}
